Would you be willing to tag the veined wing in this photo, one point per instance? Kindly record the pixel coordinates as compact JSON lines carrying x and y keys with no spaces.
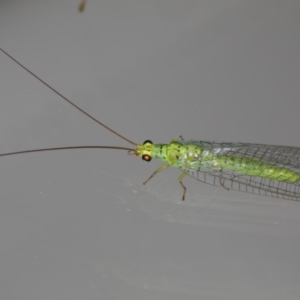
{"x":279,"y":156}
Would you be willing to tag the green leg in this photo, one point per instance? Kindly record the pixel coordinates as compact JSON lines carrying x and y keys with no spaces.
{"x":157,"y":171}
{"x":180,"y":178}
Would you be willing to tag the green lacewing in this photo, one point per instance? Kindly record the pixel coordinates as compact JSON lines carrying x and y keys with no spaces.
{"x":267,"y":170}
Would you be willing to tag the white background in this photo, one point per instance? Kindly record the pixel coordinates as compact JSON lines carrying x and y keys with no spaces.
{"x":80,"y":224}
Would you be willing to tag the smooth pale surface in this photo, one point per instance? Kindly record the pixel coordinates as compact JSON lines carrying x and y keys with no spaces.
{"x":80,"y":224}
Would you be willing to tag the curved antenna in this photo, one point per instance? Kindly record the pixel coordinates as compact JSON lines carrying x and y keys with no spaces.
{"x":69,"y":101}
{"x":68,"y":148}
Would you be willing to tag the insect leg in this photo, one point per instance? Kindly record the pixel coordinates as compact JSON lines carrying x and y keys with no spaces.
{"x":222,"y":183}
{"x":180,"y":178}
{"x":157,"y":171}
{"x":181,"y":137}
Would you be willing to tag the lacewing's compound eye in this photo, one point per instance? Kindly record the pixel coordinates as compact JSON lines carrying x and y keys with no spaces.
{"x":146,"y":157}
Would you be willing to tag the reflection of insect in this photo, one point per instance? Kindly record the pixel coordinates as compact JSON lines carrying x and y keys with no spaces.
{"x":81,"y":5}
{"x":253,"y":168}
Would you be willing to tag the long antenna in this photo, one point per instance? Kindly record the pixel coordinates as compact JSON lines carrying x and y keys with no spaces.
{"x":68,"y":148}
{"x":66,"y":99}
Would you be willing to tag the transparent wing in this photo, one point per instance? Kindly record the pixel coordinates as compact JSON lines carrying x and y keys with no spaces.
{"x":280,"y":156}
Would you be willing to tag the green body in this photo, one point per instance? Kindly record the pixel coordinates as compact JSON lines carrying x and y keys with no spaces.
{"x":216,"y":157}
